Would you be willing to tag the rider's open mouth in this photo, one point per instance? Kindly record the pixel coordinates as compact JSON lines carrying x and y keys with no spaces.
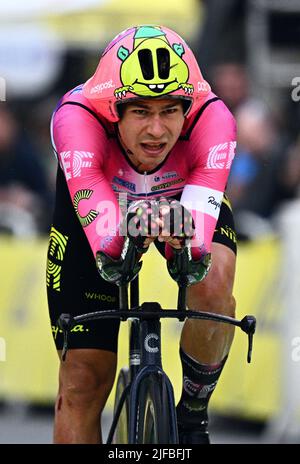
{"x":153,"y":148}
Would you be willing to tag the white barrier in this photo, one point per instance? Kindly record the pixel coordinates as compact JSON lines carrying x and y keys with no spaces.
{"x":285,"y":427}
{"x":2,"y":349}
{"x":2,"y":89}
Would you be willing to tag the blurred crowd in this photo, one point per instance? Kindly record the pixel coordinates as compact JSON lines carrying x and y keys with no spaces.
{"x":266,"y":170}
{"x":26,"y":187}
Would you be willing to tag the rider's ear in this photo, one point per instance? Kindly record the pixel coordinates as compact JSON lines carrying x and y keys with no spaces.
{"x":120,"y":107}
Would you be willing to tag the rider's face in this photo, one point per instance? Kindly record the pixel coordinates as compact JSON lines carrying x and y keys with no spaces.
{"x":149,"y":129}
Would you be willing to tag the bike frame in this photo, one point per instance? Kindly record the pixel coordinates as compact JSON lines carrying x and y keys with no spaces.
{"x":145,"y":346}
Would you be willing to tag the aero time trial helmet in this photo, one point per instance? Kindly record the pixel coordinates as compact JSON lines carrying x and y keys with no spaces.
{"x":145,"y":62}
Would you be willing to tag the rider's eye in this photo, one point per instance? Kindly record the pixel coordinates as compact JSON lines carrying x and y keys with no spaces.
{"x":172,"y":110}
{"x":146,"y":63}
{"x":163,"y":61}
{"x":139,"y":112}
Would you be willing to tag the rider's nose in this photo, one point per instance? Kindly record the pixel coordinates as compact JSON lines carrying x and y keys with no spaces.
{"x":156,"y":127}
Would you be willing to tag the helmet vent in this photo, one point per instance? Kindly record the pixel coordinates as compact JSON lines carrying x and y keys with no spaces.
{"x":163,"y":61}
{"x":146,"y":63}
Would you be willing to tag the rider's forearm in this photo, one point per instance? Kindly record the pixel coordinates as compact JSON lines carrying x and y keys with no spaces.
{"x":81,"y":154}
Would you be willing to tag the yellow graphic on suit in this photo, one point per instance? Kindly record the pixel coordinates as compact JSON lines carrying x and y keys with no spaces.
{"x":227,"y":202}
{"x":57,"y":249}
{"x":77,"y":328}
{"x":229,"y":232}
{"x":154,"y":67}
{"x":84,"y":195}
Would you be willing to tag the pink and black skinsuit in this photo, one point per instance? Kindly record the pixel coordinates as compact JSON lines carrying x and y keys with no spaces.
{"x":95,"y":173}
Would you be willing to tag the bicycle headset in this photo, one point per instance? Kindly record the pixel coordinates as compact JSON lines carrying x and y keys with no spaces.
{"x":146,"y":62}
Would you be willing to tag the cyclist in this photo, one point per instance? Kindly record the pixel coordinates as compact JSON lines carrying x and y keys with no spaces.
{"x":145,"y":125}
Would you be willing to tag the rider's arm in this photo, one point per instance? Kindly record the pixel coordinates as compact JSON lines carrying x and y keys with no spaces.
{"x":213,"y":143}
{"x":82,"y":148}
{"x":211,"y":151}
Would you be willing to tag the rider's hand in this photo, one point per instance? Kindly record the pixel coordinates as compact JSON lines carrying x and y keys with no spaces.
{"x":142,"y":223}
{"x":140,"y":227}
{"x":178,"y":229}
{"x":119,"y":271}
{"x":176,"y":223}
{"x":185,"y":270}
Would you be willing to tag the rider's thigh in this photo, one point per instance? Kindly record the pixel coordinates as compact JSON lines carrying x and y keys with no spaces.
{"x":87,"y":375}
{"x":215,"y":291}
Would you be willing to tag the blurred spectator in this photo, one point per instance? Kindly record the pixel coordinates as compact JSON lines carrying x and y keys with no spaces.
{"x":24,"y":194}
{"x":257,"y":183}
{"x":38,"y":125}
{"x":230,"y":82}
{"x":223,"y":35}
{"x":291,"y":178}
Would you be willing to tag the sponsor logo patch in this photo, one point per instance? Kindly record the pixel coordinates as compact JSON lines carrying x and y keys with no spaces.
{"x":221,"y":156}
{"x":73,"y":163}
{"x":197,"y":390}
{"x":104,"y":85}
{"x":57,"y":248}
{"x":124,"y":183}
{"x":92,"y":214}
{"x":79,"y":328}
{"x":167,"y":184}
{"x":166,"y":176}
{"x":212,"y":201}
{"x":100,"y":297}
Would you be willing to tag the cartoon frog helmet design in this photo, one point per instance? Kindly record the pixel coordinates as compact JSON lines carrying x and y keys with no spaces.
{"x":146,"y":62}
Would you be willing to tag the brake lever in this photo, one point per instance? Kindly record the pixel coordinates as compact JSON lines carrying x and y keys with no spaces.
{"x":248,"y":325}
{"x":65,"y":323}
{"x":181,"y":259}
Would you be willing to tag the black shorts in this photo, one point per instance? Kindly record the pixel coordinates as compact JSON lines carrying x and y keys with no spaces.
{"x":73,"y":282}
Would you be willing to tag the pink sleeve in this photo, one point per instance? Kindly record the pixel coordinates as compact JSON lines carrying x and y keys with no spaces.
{"x":81,"y":143}
{"x":213,"y":143}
